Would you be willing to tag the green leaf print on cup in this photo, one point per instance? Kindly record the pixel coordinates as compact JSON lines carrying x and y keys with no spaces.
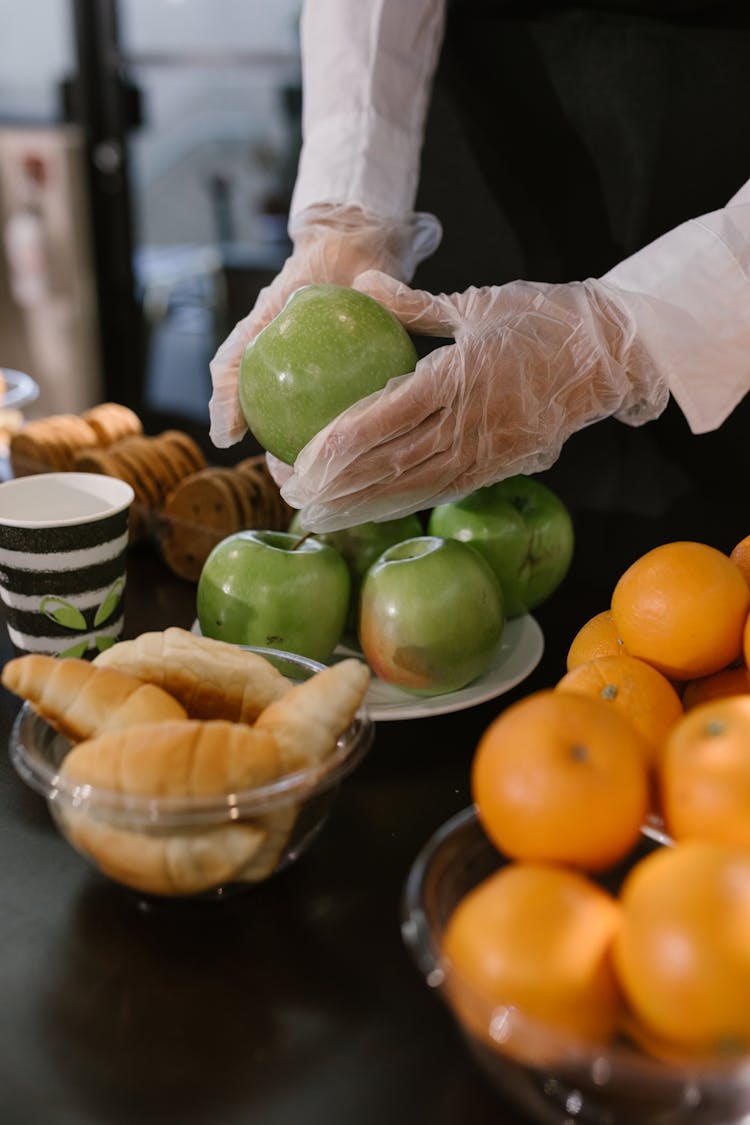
{"x":62,"y":613}
{"x":110,"y":603}
{"x":70,"y":617}
{"x":75,"y":652}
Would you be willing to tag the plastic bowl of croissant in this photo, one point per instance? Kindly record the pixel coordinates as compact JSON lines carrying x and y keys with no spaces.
{"x":184,"y":766}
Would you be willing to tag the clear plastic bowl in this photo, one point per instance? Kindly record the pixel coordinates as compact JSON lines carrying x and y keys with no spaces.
{"x":616,"y":1084}
{"x":294,"y":807}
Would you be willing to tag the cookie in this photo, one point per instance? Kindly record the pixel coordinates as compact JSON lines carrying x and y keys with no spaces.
{"x":213,"y":503}
{"x":50,"y":444}
{"x":202,"y":510}
{"x":111,"y":421}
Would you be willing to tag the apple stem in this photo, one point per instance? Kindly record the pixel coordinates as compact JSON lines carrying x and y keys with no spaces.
{"x":301,"y":540}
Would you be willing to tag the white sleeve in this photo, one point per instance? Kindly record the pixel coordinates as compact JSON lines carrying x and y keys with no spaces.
{"x":367,"y":69}
{"x":689,"y":295}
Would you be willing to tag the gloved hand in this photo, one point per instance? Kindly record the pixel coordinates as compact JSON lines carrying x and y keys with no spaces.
{"x":331,"y":244}
{"x":530,"y":365}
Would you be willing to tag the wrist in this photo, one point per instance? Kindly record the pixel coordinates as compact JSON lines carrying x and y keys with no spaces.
{"x":645,"y":391}
{"x":370,"y":240}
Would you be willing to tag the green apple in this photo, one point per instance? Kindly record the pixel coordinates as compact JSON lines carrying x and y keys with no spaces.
{"x":524,"y":531}
{"x":360,"y":546}
{"x":328,"y":347}
{"x":430,"y":615}
{"x":255,"y":589}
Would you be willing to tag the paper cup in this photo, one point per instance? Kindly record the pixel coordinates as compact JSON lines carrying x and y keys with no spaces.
{"x":63,"y":543}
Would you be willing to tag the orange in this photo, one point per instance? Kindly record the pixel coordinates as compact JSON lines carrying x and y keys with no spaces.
{"x":529,"y":952}
{"x":746,"y":642}
{"x":682,"y":953}
{"x":704,"y":778}
{"x":682,"y":607}
{"x":640,"y":693}
{"x":740,"y":555}
{"x":729,"y":681}
{"x":563,"y":778}
{"x":597,"y":637}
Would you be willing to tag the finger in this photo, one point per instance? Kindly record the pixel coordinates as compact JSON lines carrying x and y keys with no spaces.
{"x":227,"y":422}
{"x":422,"y":312}
{"x":404,"y":403}
{"x":279,"y":470}
{"x":384,"y":438}
{"x":414,"y":489}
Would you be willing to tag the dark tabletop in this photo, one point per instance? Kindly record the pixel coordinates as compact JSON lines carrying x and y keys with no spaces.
{"x":296,"y":1002}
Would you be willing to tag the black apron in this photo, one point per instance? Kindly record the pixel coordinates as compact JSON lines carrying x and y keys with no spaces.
{"x":562,"y":138}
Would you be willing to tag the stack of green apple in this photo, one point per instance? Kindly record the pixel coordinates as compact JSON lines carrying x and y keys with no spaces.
{"x":429,"y":609}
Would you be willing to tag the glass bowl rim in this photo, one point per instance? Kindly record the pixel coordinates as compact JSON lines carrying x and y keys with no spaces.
{"x":180,"y":811}
{"x":20,"y":390}
{"x":419,"y":937}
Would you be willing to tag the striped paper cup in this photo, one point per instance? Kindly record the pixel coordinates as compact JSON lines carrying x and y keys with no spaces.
{"x":63,"y":542}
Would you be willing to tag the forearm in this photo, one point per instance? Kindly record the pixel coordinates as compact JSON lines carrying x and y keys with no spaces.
{"x":367,"y":74}
{"x":689,"y":295}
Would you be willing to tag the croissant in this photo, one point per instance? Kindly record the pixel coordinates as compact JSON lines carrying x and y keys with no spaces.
{"x":183,"y":758}
{"x":181,"y":863}
{"x":307,"y":721}
{"x":211,"y":678}
{"x":177,"y":758}
{"x":306,"y":725}
{"x":277,"y":829}
{"x":80,"y":700}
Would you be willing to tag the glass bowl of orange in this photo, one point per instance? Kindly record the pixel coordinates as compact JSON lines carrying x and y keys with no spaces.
{"x":597,"y":1070}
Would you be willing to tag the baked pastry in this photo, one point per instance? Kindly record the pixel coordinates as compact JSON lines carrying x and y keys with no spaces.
{"x":175,"y":758}
{"x":55,"y":441}
{"x":170,"y":759}
{"x":50,"y":444}
{"x":210,"y":678}
{"x":207,"y":506}
{"x":111,"y":421}
{"x":152,"y":466}
{"x":186,"y":758}
{"x":80,"y":700}
{"x":179,"y":863}
{"x":306,"y":724}
{"x":130,"y":740}
{"x":307,"y":721}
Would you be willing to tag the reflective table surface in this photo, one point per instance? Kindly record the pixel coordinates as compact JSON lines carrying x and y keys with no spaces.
{"x":297,"y":1002}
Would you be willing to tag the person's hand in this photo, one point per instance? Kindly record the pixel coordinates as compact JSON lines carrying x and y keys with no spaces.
{"x":530,"y":365}
{"x":331,"y":244}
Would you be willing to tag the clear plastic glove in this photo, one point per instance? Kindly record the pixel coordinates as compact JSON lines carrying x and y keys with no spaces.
{"x":531,"y":364}
{"x":332,"y":244}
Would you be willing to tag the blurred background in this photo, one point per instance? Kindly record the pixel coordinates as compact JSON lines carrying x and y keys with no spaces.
{"x":148,"y":150}
{"x":147,"y":155}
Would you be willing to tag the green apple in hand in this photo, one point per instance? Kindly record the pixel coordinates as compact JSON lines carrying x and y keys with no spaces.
{"x":524,"y":531}
{"x":360,"y":546}
{"x":328,"y":347}
{"x":430,"y":616}
{"x":254,"y":589}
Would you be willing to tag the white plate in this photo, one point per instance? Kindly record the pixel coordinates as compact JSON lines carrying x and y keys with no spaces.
{"x":520,"y":651}
{"x":20,"y":389}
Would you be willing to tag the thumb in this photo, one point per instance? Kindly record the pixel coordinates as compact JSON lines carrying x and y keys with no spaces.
{"x":418,"y":310}
{"x":279,"y":470}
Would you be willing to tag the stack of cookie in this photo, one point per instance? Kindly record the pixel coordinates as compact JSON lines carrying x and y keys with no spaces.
{"x":52,"y":444}
{"x":152,"y":466}
{"x":186,"y":506}
{"x":211,"y":504}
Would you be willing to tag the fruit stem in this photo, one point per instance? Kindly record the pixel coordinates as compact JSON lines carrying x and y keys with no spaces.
{"x":301,"y":540}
